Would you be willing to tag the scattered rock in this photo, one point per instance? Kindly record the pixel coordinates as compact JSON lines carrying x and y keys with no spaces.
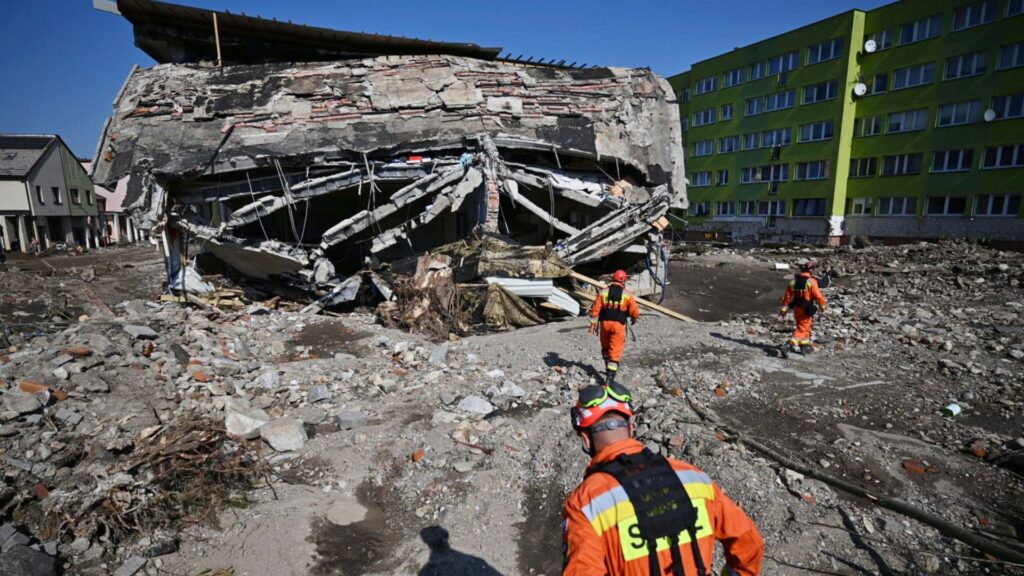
{"x":475,"y":405}
{"x":141,"y":332}
{"x":245,"y":424}
{"x":284,"y":434}
{"x":347,"y":420}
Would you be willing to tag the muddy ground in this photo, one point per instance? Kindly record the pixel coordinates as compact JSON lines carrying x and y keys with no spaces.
{"x":904,"y":337}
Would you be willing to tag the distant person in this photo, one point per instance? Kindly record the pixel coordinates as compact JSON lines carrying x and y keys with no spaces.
{"x":637,"y":513}
{"x":613,"y":307}
{"x":33,"y":247}
{"x":805,"y":298}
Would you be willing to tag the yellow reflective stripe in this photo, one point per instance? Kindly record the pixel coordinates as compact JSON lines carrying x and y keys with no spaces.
{"x":605,"y":520}
{"x":604,"y":294}
{"x":634,"y":547}
{"x":699,"y":493}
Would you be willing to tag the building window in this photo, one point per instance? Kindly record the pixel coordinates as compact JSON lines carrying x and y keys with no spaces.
{"x":883,"y":39}
{"x":827,"y":50}
{"x":815,"y":170}
{"x":860,"y":207}
{"x":777,"y":137}
{"x":758,"y":70}
{"x":958,"y":113}
{"x":684,"y":123}
{"x":704,"y":117}
{"x":703,"y":148}
{"x":817,"y":131}
{"x":863,"y":167}
{"x":723,"y":177}
{"x":809,"y":207}
{"x":75,"y":198}
{"x":1008,"y":156}
{"x":733,"y":77}
{"x":728,"y":144}
{"x":952,"y":160}
{"x":947,"y":205}
{"x":1010,"y":106}
{"x":747,"y":207}
{"x":913,"y":76}
{"x":755,"y":106}
{"x":88,"y":197}
{"x":897,"y":206}
{"x":770,"y":173}
{"x":55,"y":191}
{"x":726,"y":112}
{"x":974,"y":15}
{"x":1014,"y":8}
{"x":966,"y":65}
{"x":751,"y":141}
{"x":779,"y":101}
{"x":783,"y":63}
{"x":700,"y":179}
{"x":706,"y":85}
{"x":39,"y":195}
{"x":902,"y":164}
{"x":821,"y":92}
{"x":686,"y":94}
{"x":771,"y":208}
{"x":907,"y":121}
{"x":1011,"y":56}
{"x":879,"y":83}
{"x":868,"y":126}
{"x":919,"y":30}
{"x":725,"y":209}
{"x":998,"y":205}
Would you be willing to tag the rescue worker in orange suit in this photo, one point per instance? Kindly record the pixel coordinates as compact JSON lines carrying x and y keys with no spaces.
{"x":613,"y":307}
{"x":805,"y":298}
{"x":639,"y":514}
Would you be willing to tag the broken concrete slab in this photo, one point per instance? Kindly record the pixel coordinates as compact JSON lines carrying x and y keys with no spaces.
{"x":141,"y":332}
{"x":284,"y":434}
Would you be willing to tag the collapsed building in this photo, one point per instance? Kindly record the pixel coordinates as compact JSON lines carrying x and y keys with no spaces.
{"x":309,"y":154}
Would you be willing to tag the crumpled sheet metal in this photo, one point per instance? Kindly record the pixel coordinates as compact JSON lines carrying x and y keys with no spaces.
{"x":179,"y":121}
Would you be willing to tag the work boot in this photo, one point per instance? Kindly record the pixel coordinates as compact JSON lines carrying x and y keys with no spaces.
{"x":806,"y":349}
{"x":784,"y":350}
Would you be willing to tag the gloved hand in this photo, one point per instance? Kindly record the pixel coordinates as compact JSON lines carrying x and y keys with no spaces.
{"x":783,"y":311}
{"x":593,"y":328}
{"x":632,"y":321}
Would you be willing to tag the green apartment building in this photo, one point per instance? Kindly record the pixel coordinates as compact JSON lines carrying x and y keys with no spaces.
{"x":906,"y":121}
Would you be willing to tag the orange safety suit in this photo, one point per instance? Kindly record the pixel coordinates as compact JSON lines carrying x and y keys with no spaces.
{"x":612,"y":315}
{"x":804,"y":322}
{"x":598,"y":522}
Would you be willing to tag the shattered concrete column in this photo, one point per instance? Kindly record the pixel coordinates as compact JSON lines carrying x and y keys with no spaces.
{"x":116,"y":225}
{"x":493,"y":191}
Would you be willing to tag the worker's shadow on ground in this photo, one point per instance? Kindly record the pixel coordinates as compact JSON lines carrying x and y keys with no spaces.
{"x":447,"y":562}
{"x":552,"y":359}
{"x":766,"y":348}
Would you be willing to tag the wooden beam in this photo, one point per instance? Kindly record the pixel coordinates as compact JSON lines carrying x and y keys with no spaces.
{"x":640,"y":301}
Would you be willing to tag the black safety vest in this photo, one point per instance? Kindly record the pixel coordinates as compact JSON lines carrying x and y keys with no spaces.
{"x":802,"y":294}
{"x":614,"y":308}
{"x":662,"y":505}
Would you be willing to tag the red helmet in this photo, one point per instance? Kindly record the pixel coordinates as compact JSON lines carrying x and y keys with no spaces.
{"x":808,"y":265}
{"x":619,"y":276}
{"x":596,"y":401}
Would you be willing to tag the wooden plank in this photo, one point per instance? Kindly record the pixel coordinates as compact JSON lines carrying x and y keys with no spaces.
{"x":639,"y":300}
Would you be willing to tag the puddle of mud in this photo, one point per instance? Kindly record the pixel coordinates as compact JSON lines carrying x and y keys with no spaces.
{"x":356,"y":547}
{"x":540,"y":535}
{"x":328,"y":338}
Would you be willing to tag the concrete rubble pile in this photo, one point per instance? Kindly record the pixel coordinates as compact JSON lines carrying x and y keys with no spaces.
{"x":310,"y":172}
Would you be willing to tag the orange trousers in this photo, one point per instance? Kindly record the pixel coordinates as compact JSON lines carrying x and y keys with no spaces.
{"x":613,"y":342}
{"x":802,"y":334}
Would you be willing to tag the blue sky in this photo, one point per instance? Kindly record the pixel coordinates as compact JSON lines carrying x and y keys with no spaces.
{"x":63,"y":62}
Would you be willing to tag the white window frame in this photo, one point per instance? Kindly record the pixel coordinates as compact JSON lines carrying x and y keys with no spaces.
{"x":957,"y":66}
{"x":1014,"y":8}
{"x":861,"y":207}
{"x":777,"y":137}
{"x":831,"y":89}
{"x":703,"y":148}
{"x":774,"y":208}
{"x":756,"y":136}
{"x":700,"y":209}
{"x":784,"y":63}
{"x":1008,"y":106}
{"x":956,"y":160}
{"x":902,"y":164}
{"x":813,"y":170}
{"x":914,"y":76}
{"x":859,"y":167}
{"x":945,"y":206}
{"x":787,"y":98}
{"x":684,"y":124}
{"x":725,"y":208}
{"x":875,"y":122}
{"x":800,"y":207}
{"x":907,"y":206}
{"x":817,"y":131}
{"x":758,"y":107}
{"x":876,"y":87}
{"x":728,"y":144}
{"x":55,"y":191}
{"x":1016,"y":152}
{"x":758,"y":70}
{"x":705,"y":85}
{"x":1013,"y":53}
{"x":973,"y":15}
{"x":747,"y":208}
{"x":88,"y":196}
{"x":958,"y":113}
{"x":825,"y":51}
{"x":991,"y":200}
{"x":700,"y":179}
{"x":722,"y":177}
{"x":921,"y":29}
{"x":39,"y":195}
{"x":705,"y":117}
{"x":883,"y":39}
{"x":733,"y":77}
{"x":908,"y":121}
{"x":727,"y":111}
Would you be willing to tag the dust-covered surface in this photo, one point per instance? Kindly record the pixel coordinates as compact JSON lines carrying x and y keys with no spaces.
{"x":393,"y":455}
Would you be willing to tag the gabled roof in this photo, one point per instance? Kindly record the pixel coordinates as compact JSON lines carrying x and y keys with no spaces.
{"x":20,"y":153}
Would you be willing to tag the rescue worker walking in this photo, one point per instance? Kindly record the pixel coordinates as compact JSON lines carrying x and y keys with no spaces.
{"x":805,"y":298}
{"x":640,"y":514}
{"x":608,"y":315}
